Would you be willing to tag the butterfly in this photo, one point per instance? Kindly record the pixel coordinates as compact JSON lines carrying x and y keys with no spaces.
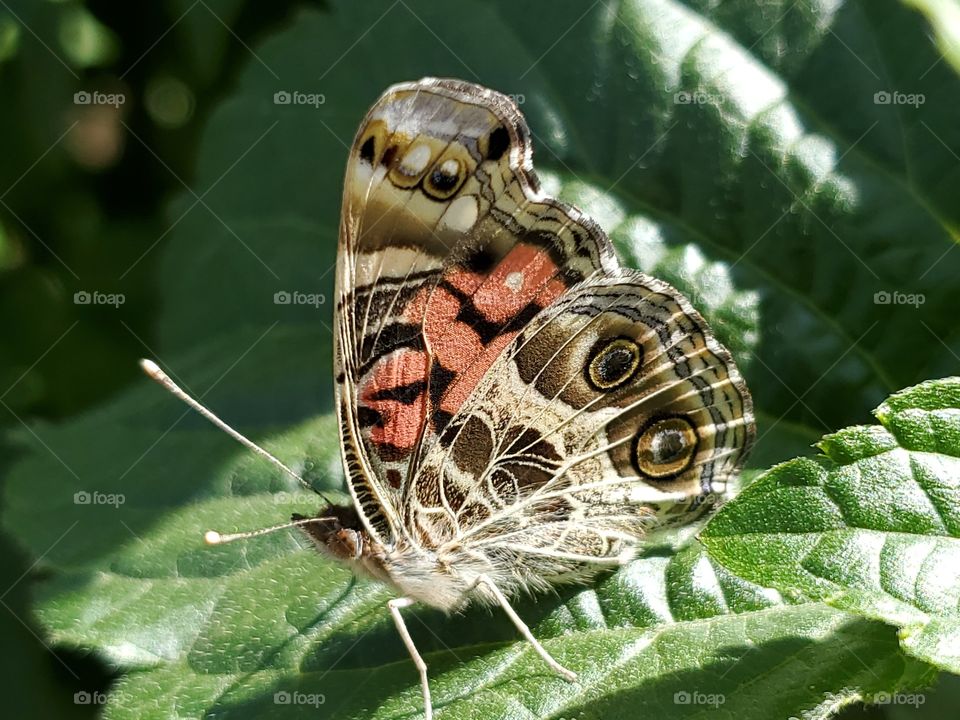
{"x":516,"y":410}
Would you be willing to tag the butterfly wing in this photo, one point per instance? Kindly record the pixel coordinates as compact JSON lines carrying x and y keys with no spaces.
{"x":614,"y":410}
{"x":603,"y":408}
{"x":447,"y":250}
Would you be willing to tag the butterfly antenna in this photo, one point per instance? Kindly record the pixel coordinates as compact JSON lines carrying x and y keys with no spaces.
{"x":212,"y":537}
{"x":154,"y":372}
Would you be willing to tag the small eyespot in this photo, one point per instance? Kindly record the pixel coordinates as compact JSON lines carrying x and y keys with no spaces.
{"x":372,"y":141}
{"x":368,"y":149}
{"x":388,"y":155}
{"x":665,"y":448}
{"x":497,"y":143}
{"x":444,"y":180}
{"x":613,"y":363}
{"x":410,"y":166}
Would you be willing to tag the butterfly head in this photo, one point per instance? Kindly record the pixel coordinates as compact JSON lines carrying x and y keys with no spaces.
{"x":341,"y":536}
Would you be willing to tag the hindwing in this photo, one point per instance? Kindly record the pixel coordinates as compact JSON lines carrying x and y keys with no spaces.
{"x":613,"y":411}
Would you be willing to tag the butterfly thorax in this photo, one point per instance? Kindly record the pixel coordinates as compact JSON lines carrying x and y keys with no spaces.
{"x":438,"y":582}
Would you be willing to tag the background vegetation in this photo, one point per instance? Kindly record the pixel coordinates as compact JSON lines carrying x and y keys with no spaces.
{"x":744,"y":151}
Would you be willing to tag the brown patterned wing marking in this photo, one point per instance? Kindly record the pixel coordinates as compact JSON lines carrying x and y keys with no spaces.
{"x":613,"y":410}
{"x":447,"y":250}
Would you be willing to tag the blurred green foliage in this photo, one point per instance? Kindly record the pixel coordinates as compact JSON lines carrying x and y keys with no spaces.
{"x":83,"y":196}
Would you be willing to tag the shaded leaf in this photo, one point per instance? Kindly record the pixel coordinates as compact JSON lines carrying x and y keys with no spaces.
{"x":872,"y":526}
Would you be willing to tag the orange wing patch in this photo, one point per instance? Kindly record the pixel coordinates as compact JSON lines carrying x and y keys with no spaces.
{"x":467,"y":320}
{"x":396,"y":400}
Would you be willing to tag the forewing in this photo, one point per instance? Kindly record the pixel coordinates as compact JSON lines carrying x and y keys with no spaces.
{"x":447,"y":249}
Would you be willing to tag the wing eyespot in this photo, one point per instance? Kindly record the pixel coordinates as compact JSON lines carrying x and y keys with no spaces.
{"x":444,"y":179}
{"x":368,"y":149}
{"x":410,"y":166}
{"x":497,"y":143}
{"x":374,"y":137}
{"x":664,"y":448}
{"x":613,"y":363}
{"x":388,"y":156}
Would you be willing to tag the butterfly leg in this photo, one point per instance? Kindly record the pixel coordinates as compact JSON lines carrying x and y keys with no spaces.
{"x":395,"y":606}
{"x":568,"y":675}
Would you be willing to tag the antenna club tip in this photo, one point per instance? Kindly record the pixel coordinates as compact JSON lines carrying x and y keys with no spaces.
{"x":150,"y":367}
{"x":212,"y":537}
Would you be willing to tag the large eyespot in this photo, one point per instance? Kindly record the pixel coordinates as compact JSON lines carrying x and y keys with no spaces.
{"x":664,"y":448}
{"x":444,"y":179}
{"x":613,"y":363}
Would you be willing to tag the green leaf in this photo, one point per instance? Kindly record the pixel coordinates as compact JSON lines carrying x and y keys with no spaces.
{"x":206,"y":31}
{"x":234,"y":630}
{"x":944,"y":16}
{"x":872,"y":526}
{"x":201,"y":630}
{"x":734,"y":149}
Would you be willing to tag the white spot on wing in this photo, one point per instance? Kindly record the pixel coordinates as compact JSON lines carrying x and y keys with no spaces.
{"x":415,"y":161}
{"x":514,"y":281}
{"x":461,"y":215}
